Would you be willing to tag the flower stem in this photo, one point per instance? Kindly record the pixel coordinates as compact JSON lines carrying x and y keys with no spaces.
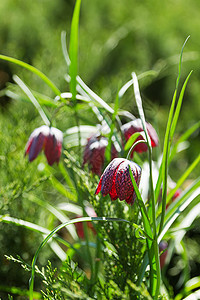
{"x":157,"y":281}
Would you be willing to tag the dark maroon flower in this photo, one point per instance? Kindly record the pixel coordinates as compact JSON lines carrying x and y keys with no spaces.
{"x":94,"y":153}
{"x":136,"y":126}
{"x":116,"y":180}
{"x":47,"y":138}
{"x":163,"y":246}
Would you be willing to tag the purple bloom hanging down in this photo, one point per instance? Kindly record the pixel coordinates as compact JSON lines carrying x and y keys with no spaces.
{"x":47,"y":138}
{"x":94,"y":153}
{"x":136,"y":126}
{"x":116,"y":180}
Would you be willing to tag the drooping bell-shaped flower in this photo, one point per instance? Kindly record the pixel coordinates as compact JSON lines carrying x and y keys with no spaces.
{"x":94,"y":153}
{"x":116,"y":180}
{"x":48,"y":139}
{"x":134,"y":126}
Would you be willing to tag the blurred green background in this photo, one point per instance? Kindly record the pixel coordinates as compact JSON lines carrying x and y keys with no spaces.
{"x":116,"y":37}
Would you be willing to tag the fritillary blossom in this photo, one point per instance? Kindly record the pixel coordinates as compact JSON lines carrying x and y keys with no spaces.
{"x":116,"y":180}
{"x":94,"y":153}
{"x":48,"y":139}
{"x":134,"y":126}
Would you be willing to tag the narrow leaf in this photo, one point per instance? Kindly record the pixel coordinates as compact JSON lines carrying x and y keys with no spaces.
{"x":33,"y":70}
{"x":73,"y":49}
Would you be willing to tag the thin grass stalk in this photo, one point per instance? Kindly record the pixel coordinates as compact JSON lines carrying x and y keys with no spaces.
{"x":73,"y":67}
{"x":153,"y":251}
{"x":168,"y":135}
{"x":34,"y":101}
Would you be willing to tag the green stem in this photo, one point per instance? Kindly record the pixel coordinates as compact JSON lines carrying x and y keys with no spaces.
{"x":155,"y":275}
{"x":155,"y":289}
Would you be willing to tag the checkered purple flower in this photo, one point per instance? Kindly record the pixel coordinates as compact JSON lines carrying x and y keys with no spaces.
{"x":48,"y":139}
{"x":136,"y":126}
{"x":94,"y":153}
{"x":116,"y":180}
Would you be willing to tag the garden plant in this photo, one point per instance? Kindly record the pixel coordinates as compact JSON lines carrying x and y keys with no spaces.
{"x":121,"y":216}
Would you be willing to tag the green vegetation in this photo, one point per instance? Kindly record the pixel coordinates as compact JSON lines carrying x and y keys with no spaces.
{"x":116,"y":256}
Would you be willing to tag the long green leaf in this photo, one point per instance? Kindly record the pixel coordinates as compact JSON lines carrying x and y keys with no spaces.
{"x":131,"y":140}
{"x":178,"y":211}
{"x":145,"y":218}
{"x":18,"y":291}
{"x":94,"y":97}
{"x":185,"y":194}
{"x":167,"y":142}
{"x":178,"y":107}
{"x":33,"y":70}
{"x":66,"y":176}
{"x":56,"y":212}
{"x":183,"y":177}
{"x":155,"y":276}
{"x":73,"y":49}
{"x":34,"y":101}
{"x":64,"y":48}
{"x":183,"y":138}
{"x":32,"y":227}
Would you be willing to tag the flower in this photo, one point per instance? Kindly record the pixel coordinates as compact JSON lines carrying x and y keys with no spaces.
{"x":94,"y":153}
{"x":163,"y":246}
{"x":134,"y":126}
{"x":116,"y":180}
{"x":47,"y":138}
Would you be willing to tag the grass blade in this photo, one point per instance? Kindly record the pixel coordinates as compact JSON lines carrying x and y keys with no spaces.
{"x":94,"y":96}
{"x":32,"y":98}
{"x":145,"y":218}
{"x":33,"y":70}
{"x":174,"y":205}
{"x":32,"y":227}
{"x":183,"y":177}
{"x":178,"y":107}
{"x":167,"y":142}
{"x":183,"y":138}
{"x":64,"y":48}
{"x":56,"y":212}
{"x":172,"y":218}
{"x":155,"y":276}
{"x":73,"y":49}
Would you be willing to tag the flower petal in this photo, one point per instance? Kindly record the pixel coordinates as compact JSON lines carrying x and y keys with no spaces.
{"x":35,"y":146}
{"x":53,"y":145}
{"x":98,"y":189}
{"x":108,"y":175}
{"x":123,"y":183}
